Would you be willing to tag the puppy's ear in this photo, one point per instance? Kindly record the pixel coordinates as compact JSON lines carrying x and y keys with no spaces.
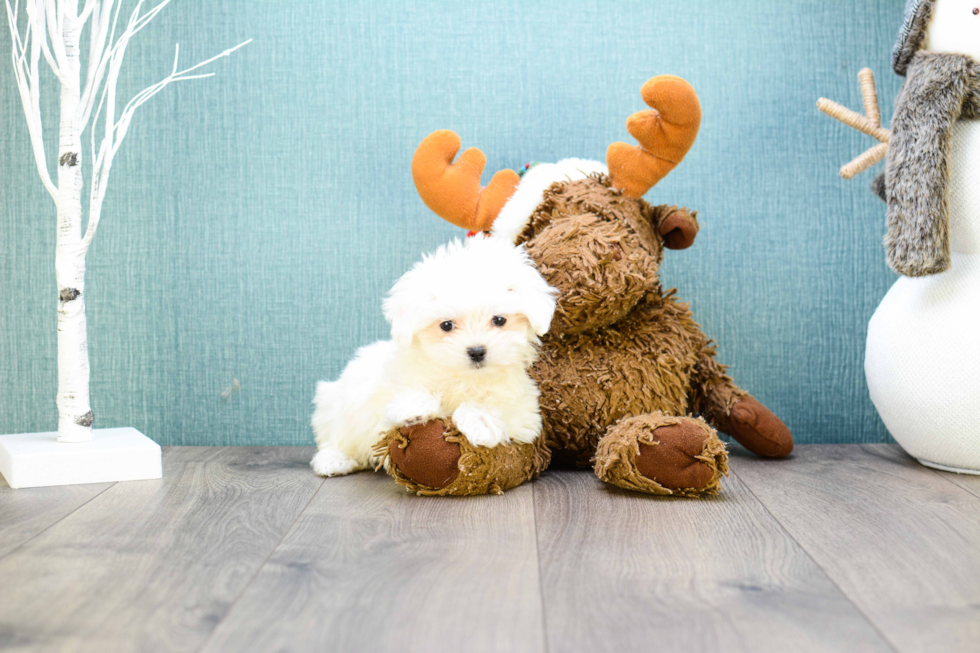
{"x":403,"y":337}
{"x":536,"y":299}
{"x":401,"y":311}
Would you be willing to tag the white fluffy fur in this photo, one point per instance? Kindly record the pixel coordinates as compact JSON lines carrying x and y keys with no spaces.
{"x":512,"y":219}
{"x":424,"y":372}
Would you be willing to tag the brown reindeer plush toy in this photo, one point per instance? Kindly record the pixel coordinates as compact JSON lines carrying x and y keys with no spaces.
{"x":629,"y":383}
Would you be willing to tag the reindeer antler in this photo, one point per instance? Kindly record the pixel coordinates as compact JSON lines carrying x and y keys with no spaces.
{"x":453,"y":191}
{"x":870,"y":124}
{"x":666,"y":132}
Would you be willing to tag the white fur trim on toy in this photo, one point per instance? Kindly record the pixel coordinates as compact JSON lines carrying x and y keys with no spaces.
{"x":517,"y":211}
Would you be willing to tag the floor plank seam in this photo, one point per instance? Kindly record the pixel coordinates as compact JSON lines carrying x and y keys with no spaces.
{"x":537,"y":553}
{"x":258,"y":570}
{"x":943,"y":475}
{"x":830,"y":578}
{"x":59,"y":520}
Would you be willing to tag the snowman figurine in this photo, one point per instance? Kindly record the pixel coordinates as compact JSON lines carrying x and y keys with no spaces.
{"x":922,"y":360}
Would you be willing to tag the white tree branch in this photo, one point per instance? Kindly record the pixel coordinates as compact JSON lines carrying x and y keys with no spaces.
{"x":36,"y":18}
{"x":136,"y":23}
{"x":101,"y":15}
{"x":27,"y":79}
{"x":115,"y":130}
{"x":50,"y":8}
{"x":86,"y":10}
{"x":106,"y":53}
{"x":52,"y":29}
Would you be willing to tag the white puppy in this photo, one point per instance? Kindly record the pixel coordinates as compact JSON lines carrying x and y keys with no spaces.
{"x":464,"y":326}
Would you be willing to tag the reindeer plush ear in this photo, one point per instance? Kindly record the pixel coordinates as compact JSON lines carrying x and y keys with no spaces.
{"x":666,"y":132}
{"x":678,"y":227}
{"x":453,"y":191}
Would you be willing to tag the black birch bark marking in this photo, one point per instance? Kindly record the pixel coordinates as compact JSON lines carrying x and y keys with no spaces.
{"x":68,"y":294}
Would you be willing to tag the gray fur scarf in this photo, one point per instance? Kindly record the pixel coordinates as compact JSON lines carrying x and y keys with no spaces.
{"x":939,"y":90}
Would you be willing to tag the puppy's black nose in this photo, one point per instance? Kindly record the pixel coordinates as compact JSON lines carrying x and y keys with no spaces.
{"x":477,"y":354}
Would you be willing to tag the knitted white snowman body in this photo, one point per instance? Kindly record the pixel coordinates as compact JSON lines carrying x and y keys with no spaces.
{"x":923,"y":352}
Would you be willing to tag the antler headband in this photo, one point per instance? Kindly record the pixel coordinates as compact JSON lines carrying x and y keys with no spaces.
{"x":452,"y":190}
{"x":665,"y":132}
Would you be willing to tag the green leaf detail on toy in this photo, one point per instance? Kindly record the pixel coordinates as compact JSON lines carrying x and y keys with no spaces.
{"x":527,"y":167}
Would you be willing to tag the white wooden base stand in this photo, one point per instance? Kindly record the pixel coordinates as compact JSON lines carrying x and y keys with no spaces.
{"x":38,"y":459}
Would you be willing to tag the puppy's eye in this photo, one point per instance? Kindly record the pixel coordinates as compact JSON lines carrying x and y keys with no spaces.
{"x":498,"y":320}
{"x":447,"y":326}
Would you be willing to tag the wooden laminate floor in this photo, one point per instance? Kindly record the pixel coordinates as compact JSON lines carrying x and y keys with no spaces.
{"x":839,"y":548}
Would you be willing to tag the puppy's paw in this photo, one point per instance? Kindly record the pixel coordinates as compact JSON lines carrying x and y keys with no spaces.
{"x":479,"y":426}
{"x":525,"y":434}
{"x":333,"y":462}
{"x":412,"y":407}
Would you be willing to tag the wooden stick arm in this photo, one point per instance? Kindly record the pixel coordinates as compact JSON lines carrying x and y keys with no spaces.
{"x":853,"y":119}
{"x":870,"y":95}
{"x":865,"y":161}
{"x":869,"y":124}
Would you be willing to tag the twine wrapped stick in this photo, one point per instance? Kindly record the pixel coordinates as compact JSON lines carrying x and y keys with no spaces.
{"x":869,"y":123}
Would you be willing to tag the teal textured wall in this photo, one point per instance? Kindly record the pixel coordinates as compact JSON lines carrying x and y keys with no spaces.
{"x":254,"y":220}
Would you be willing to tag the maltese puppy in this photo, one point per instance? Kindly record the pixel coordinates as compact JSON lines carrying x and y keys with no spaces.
{"x":465,"y":324}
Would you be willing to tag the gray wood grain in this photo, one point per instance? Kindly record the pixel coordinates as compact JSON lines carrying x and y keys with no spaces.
{"x":369,"y":567}
{"x":900,"y":541}
{"x":839,"y":548}
{"x":968,"y":482}
{"x":154,"y":565}
{"x":28,"y":511}
{"x":626,"y":572}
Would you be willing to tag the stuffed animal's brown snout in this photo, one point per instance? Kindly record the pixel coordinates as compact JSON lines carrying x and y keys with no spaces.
{"x":599,"y":267}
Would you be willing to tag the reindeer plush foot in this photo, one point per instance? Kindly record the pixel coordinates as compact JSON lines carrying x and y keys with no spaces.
{"x":756,"y":428}
{"x":660,"y":454}
{"x":435,"y":459}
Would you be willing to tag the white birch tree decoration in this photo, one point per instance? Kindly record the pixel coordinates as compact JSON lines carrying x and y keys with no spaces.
{"x":51,"y":30}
